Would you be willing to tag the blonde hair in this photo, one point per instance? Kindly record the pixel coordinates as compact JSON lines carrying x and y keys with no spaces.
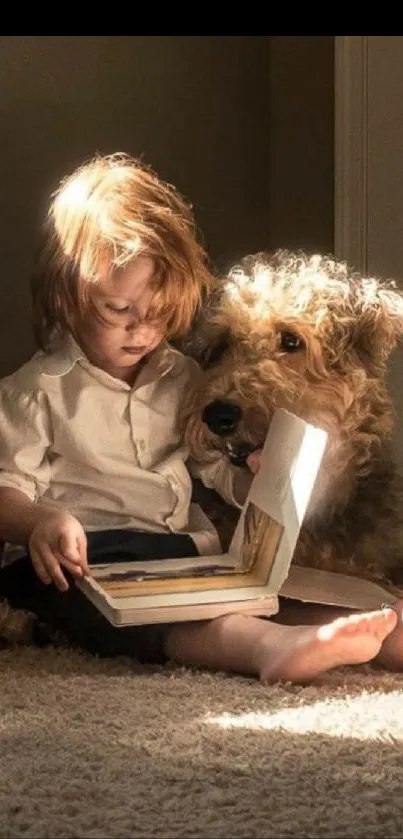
{"x":110,"y":211}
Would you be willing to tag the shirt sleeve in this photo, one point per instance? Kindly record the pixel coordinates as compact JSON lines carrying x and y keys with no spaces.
{"x":24,"y":439}
{"x":231,"y":482}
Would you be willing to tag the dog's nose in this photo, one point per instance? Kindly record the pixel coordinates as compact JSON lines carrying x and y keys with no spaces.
{"x":222,"y":416}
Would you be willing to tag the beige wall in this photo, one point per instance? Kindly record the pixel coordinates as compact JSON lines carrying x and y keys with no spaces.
{"x":243,"y":125}
{"x":369,"y":81}
{"x":385,"y":182}
{"x":301,"y":142}
{"x":385,"y":156}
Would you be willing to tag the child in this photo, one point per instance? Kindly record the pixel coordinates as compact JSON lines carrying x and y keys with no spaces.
{"x":90,"y":449}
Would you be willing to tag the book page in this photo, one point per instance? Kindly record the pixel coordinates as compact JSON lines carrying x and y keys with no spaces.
{"x":314,"y":585}
{"x":162,"y":568}
{"x":173,"y":608}
{"x":151,"y":595}
{"x":274,"y":510}
{"x":260,"y":539}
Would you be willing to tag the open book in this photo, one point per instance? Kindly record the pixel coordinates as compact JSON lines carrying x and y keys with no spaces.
{"x":256,"y":568}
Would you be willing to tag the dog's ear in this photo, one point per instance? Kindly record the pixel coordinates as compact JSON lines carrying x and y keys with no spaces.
{"x":379,"y":325}
{"x":215,"y":347}
{"x":207,"y":339}
{"x":206,"y":342}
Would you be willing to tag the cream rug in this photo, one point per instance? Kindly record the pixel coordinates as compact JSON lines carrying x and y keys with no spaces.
{"x":95,"y":748}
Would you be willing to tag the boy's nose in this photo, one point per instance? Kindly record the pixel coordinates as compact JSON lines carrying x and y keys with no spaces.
{"x":132,"y":324}
{"x":137,"y":327}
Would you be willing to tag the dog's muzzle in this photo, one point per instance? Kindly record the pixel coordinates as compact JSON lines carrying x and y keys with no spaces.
{"x":222,"y":417}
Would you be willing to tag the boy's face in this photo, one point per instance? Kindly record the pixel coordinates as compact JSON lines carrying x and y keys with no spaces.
{"x":122,"y":299}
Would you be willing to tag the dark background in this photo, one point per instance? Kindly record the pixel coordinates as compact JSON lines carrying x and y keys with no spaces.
{"x":242,"y":125}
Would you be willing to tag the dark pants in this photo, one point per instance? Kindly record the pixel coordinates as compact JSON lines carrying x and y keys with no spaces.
{"x":71,"y":615}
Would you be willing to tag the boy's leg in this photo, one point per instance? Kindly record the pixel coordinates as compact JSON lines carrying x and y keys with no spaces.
{"x":391,"y":653}
{"x":272,"y":651}
{"x":297,"y":613}
{"x":390,"y":656}
{"x":234,"y":643}
{"x":71,"y":615}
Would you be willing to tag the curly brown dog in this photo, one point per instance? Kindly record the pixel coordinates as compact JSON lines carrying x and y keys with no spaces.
{"x":305,"y":333}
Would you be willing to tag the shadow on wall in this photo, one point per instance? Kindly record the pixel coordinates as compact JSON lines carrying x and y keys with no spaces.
{"x":172,"y":100}
{"x":197,"y":108}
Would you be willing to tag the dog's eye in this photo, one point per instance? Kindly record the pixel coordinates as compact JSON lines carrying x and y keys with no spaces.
{"x":290,"y":342}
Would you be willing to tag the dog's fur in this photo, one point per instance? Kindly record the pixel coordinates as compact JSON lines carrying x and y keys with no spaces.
{"x":305,"y":333}
{"x":16,"y":625}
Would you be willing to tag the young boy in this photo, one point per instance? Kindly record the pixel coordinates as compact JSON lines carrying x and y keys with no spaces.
{"x":90,"y":448}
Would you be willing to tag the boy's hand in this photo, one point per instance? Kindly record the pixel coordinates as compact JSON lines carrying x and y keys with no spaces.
{"x":58,"y":539}
{"x":253,"y":461}
{"x":243,"y":478}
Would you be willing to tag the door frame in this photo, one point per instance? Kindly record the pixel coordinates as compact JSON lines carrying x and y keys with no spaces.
{"x":351,"y":150}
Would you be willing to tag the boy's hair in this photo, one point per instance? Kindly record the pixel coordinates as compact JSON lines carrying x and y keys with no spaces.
{"x":109,"y":211}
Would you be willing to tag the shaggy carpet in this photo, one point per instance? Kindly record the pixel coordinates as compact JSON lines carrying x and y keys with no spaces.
{"x":93,"y":748}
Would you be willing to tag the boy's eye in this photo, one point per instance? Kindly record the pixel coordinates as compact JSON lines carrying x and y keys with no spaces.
{"x":117,"y":309}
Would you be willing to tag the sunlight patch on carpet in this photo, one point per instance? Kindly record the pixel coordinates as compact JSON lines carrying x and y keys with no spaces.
{"x":365,"y":717}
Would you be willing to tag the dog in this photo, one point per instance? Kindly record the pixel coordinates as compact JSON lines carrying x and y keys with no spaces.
{"x":306,"y":333}
{"x":16,"y":625}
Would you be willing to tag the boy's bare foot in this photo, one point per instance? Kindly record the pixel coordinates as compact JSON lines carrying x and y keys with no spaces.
{"x":391,"y":653}
{"x":300,"y":653}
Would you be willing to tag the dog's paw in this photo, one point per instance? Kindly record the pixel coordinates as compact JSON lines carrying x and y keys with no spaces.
{"x":16,"y":625}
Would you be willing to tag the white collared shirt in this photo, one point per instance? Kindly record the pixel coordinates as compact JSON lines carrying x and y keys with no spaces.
{"x":108,"y":453}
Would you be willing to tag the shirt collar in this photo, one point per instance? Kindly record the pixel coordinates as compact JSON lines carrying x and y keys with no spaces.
{"x":66,"y":353}
{"x":62,"y":357}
